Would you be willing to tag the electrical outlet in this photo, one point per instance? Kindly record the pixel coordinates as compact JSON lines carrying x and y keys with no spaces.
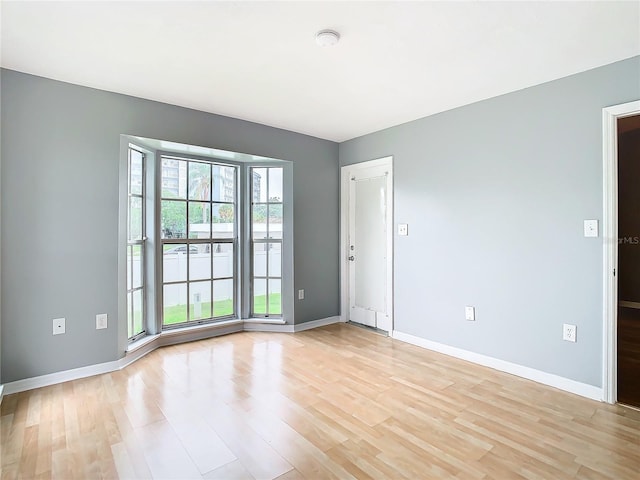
{"x":470,"y":313}
{"x":59,"y":326}
{"x":403,"y":229}
{"x":301,"y":294}
{"x":101,"y":321}
{"x":569,"y":332}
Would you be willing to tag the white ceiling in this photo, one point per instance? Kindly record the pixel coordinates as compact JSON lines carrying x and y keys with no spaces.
{"x":396,"y":61}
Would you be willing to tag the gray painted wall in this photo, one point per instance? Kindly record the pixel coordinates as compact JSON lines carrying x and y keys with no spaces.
{"x":60,"y":147}
{"x":495,"y":194}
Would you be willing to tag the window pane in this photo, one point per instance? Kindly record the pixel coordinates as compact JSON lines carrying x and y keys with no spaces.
{"x":222,"y":298}
{"x":258,"y":184}
{"x":174,"y":304}
{"x":200,"y":262}
{"x":259,"y":296}
{"x":223,"y":221}
{"x":222,"y":260}
{"x":129,"y":267}
{"x":259,"y":221}
{"x":200,"y":301}
{"x":199,"y":181}
{"x":137,"y":266}
{"x":207,"y":212}
{"x":275,"y":184}
{"x":174,"y":178}
{"x":275,"y":259}
{"x":135,"y":252}
{"x":275,"y":220}
{"x":137,"y":312}
{"x":135,"y":166}
{"x":199,"y":220}
{"x":260,"y":259}
{"x":174,"y":219}
{"x":135,"y":218}
{"x":223,"y":183}
{"x":275,"y":303}
{"x":129,"y":318}
{"x":174,"y":262}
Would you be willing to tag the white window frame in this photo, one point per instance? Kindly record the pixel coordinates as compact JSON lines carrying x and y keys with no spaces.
{"x":189,"y":241}
{"x":266,"y":241}
{"x":133,"y":243}
{"x":154,"y":149}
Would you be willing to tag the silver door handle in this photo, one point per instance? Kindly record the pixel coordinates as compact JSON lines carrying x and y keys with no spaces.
{"x":352,"y":258}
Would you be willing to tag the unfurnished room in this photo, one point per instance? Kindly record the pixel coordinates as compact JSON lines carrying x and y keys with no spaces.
{"x":294,"y":240}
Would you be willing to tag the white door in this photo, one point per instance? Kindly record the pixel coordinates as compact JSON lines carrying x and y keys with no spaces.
{"x":369,"y":241}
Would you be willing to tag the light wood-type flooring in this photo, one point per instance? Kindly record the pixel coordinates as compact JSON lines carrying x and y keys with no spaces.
{"x":334,"y":402}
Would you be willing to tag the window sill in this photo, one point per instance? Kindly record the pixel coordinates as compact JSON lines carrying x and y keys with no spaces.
{"x":138,"y":344}
{"x":195,"y":329}
{"x":273,"y":321}
{"x":198,"y":328}
{"x":146,"y":340}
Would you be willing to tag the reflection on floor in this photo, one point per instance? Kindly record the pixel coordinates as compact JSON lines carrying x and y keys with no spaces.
{"x":629,"y":356}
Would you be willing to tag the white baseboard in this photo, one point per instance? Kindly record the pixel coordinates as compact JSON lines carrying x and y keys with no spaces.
{"x":164,"y":339}
{"x":183,"y":335}
{"x":274,"y":321}
{"x":562,"y":383}
{"x":60,"y":377}
{"x":170,"y":337}
{"x":299,"y":327}
{"x":268,"y":327}
{"x":147,"y":345}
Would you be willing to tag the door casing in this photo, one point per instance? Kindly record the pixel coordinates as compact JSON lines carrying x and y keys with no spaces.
{"x":346,"y":173}
{"x":610,"y":116}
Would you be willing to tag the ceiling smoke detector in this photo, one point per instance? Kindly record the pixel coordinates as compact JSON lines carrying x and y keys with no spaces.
{"x":327,"y":38}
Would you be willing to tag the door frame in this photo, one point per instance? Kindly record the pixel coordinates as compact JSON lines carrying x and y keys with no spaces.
{"x":610,"y":115}
{"x":345,"y":175}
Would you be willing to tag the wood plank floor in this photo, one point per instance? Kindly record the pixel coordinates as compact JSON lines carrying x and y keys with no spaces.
{"x":334,"y":402}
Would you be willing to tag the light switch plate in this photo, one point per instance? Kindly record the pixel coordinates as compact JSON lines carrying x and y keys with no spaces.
{"x":591,"y":228}
{"x":403,"y":229}
{"x":301,"y":294}
{"x":101,"y":321}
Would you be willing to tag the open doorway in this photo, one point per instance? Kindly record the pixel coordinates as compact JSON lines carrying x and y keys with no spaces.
{"x":613,"y":237}
{"x":628,"y":331}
